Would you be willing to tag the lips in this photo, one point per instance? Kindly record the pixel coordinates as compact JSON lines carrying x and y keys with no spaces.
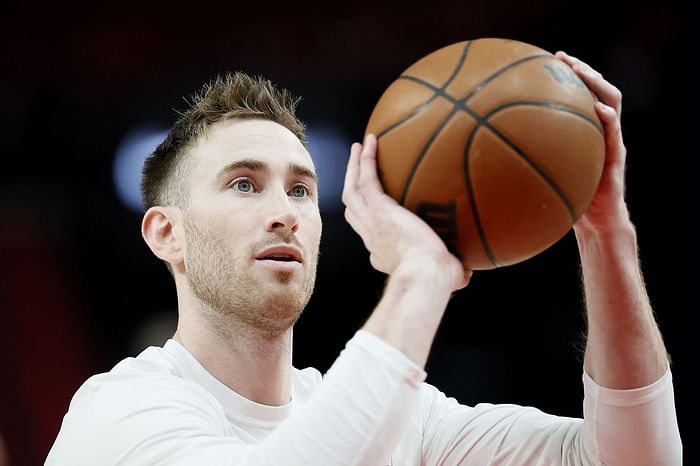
{"x":281,"y":254}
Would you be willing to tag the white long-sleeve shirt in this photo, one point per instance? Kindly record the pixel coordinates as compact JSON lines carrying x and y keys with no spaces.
{"x":371,"y":408}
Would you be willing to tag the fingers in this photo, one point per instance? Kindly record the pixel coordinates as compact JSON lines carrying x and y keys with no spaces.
{"x":613,"y":133}
{"x":465,"y":279}
{"x":352,"y":174}
{"x":368,"y":181}
{"x":377,"y":264}
{"x":355,"y":222}
{"x":606,"y":92}
{"x":357,"y":212}
{"x":608,"y":108}
{"x":362,"y":183}
{"x":606,"y":113}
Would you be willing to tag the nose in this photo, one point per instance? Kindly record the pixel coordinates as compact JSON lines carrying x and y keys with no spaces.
{"x":282,"y":217}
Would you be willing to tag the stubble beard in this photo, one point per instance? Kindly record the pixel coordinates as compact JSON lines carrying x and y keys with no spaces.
{"x":232,"y":298}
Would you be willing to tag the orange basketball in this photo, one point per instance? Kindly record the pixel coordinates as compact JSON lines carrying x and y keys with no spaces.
{"x":495,"y":143}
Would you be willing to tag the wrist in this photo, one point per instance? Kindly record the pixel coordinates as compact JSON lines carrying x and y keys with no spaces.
{"x":435,"y":272}
{"x":611,"y":242}
{"x":617,"y":226}
{"x":411,"y":308}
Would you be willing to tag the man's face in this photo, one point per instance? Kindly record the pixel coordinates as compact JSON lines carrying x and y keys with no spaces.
{"x":252,"y":224}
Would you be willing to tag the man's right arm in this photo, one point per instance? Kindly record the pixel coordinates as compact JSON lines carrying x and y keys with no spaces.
{"x":354,"y":417}
{"x":422,"y":272}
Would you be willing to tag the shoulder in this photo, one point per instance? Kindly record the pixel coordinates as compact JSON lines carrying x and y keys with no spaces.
{"x":150,"y":379}
{"x":130,"y":390}
{"x":140,"y":398}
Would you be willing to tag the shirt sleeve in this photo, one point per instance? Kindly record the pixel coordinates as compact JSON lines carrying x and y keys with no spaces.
{"x":620,"y":427}
{"x":355,"y":417}
{"x":632,"y":427}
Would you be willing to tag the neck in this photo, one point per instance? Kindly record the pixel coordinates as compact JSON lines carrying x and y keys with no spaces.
{"x":249,"y":361}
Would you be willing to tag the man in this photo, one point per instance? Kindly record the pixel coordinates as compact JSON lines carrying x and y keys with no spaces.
{"x":232,"y":209}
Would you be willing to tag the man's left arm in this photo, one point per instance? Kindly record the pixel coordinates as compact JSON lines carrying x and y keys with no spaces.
{"x":625,"y":354}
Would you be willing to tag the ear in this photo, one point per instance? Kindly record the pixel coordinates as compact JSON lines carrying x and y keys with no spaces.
{"x":159,"y":233}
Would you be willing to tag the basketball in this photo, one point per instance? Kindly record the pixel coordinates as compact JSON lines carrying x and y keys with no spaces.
{"x":495,"y":143}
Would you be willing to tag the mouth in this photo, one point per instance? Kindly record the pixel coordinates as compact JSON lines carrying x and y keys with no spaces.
{"x":280,"y":254}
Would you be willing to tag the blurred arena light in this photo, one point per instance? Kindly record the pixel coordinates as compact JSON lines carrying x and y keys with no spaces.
{"x":136,"y":145}
{"x":330,"y":149}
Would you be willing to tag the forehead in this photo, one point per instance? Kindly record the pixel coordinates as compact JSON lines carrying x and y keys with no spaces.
{"x":233,"y":140}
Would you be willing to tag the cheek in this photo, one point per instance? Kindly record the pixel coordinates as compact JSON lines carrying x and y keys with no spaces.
{"x":226,"y":217}
{"x":223,"y":231}
{"x":314,"y":227}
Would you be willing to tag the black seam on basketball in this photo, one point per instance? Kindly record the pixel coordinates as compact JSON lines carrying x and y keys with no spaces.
{"x":406,"y":118}
{"x":552,"y":184}
{"x":462,"y":59}
{"x":423,"y":151}
{"x":419,"y":109}
{"x":441,"y":92}
{"x":551,"y":106}
{"x":482,"y":120}
{"x":508,"y":67}
{"x":472,"y":199}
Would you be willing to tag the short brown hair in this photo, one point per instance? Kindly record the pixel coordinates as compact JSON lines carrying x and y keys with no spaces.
{"x":235,"y":95}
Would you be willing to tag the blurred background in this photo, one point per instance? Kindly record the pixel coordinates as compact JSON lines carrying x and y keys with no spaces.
{"x":87,"y":91}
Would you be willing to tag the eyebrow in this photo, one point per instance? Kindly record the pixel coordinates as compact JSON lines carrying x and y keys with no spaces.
{"x":258,"y":165}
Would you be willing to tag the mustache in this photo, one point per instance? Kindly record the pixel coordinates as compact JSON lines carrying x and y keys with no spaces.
{"x":275,"y":239}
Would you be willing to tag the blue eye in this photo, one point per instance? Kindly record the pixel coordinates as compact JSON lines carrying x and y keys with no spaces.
{"x":244,"y":186}
{"x":299,"y":191}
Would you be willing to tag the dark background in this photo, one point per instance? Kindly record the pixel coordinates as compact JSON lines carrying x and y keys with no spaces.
{"x":79,"y":290}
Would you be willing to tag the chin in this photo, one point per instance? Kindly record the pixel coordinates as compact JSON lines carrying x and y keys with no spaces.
{"x":280,"y":308}
{"x":276,"y":319}
{"x":284,"y":277}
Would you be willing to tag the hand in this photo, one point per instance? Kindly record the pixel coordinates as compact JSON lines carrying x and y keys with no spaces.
{"x":392,"y":234}
{"x":608,"y":208}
